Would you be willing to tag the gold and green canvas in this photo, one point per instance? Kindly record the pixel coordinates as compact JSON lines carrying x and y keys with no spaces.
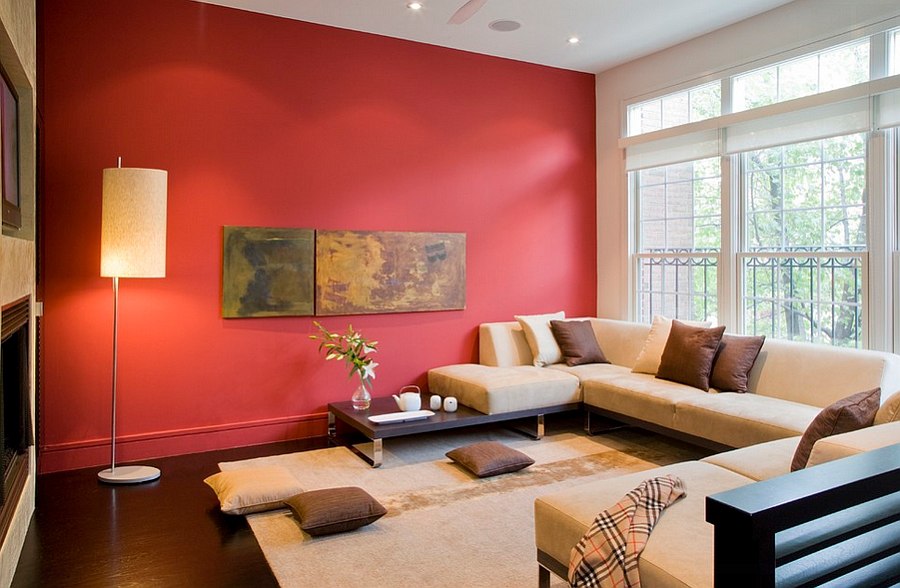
{"x":363,"y":272}
{"x":267,"y":272}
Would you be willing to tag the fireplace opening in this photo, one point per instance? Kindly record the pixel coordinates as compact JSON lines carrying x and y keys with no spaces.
{"x":16,"y":434}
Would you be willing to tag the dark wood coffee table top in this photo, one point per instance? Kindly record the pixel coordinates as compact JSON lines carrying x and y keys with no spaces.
{"x":441,"y":420}
{"x":359,"y":419}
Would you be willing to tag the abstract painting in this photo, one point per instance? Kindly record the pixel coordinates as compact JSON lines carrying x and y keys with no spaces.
{"x":363,"y":272}
{"x":267,"y":272}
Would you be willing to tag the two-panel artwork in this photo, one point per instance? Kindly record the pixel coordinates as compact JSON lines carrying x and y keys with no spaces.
{"x":305,"y":272}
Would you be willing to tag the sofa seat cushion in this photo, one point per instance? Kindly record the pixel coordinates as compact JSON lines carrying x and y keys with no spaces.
{"x":739,"y":420}
{"x":592,"y":371}
{"x":561,"y":518}
{"x":641,"y":396}
{"x":496,"y":390}
{"x":761,"y":461}
{"x":847,"y":444}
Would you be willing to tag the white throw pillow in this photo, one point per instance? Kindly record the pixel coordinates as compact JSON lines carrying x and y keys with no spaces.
{"x":540,"y":338}
{"x":250,"y":490}
{"x":648,"y":359}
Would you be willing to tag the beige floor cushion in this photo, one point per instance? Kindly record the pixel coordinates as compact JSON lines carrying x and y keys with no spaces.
{"x":496,"y":390}
{"x":563,"y":517}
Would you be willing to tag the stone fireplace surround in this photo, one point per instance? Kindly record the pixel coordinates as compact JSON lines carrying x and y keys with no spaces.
{"x":18,"y":58}
{"x":17,"y":282}
{"x":16,"y":430}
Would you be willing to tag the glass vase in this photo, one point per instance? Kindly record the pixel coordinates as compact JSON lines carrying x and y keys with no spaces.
{"x":362,"y":397}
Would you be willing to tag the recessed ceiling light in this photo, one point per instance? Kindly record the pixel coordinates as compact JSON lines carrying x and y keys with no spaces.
{"x":574,"y":40}
{"x":504,"y":26}
{"x":414,"y":5}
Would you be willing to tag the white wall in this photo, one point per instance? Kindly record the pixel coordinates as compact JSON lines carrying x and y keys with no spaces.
{"x":788,"y":30}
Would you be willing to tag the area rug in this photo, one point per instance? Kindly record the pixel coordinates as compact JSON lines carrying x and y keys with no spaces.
{"x":444,"y":527}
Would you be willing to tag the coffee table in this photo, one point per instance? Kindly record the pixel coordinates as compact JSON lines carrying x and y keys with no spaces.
{"x":463,"y":417}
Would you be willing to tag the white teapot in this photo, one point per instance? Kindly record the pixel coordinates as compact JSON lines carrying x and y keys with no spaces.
{"x":408,"y":400}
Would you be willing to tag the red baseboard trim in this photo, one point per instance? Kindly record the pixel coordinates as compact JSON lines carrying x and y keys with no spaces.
{"x":58,"y":457}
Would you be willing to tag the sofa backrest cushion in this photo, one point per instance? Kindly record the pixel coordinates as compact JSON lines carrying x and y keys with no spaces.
{"x":819,"y":375}
{"x":503,"y":344}
{"x":621,"y":341}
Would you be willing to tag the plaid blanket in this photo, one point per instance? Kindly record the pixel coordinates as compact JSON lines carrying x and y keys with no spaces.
{"x":607,"y":555}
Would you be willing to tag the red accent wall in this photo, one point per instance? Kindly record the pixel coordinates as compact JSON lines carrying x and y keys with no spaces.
{"x":262,"y":121}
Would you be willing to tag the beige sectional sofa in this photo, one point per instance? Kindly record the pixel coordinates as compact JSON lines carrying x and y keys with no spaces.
{"x":788,"y":385}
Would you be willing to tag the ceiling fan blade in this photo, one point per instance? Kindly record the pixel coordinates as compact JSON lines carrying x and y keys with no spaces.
{"x":466,"y":11}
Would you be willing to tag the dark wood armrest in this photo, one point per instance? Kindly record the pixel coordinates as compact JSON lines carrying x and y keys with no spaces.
{"x":836,"y":520}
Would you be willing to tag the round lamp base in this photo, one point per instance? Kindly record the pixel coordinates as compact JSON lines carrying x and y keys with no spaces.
{"x":134,"y":474}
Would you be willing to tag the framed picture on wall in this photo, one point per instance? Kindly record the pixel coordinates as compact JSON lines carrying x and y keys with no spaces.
{"x":9,"y":154}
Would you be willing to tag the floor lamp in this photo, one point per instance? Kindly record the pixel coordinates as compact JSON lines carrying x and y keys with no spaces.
{"x":132,"y":245}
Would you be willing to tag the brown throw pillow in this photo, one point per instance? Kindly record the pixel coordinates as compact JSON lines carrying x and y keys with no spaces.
{"x":577,"y":341}
{"x":848,"y":414}
{"x":733,"y":362}
{"x":490,"y":458}
{"x":335,"y":510}
{"x":688,"y":355}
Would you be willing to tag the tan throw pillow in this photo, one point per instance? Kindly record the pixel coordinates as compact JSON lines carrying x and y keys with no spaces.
{"x":577,"y":342}
{"x":489,"y":458}
{"x":335,"y":510}
{"x":251,"y":490}
{"x":848,"y":414}
{"x":647,"y":361}
{"x":889,"y":411}
{"x":540,"y":338}
{"x":688,"y":356}
{"x":733,"y":362}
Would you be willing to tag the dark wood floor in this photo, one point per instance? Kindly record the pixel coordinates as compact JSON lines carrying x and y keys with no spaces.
{"x":163,"y":533}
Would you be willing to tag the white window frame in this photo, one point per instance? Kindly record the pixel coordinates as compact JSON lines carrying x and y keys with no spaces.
{"x":880,"y":326}
{"x":637,"y":258}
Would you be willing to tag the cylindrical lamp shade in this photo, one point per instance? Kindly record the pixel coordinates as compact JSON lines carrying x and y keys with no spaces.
{"x":133,"y":237}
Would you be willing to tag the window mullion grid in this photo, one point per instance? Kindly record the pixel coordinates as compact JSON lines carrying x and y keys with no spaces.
{"x":879,"y":46}
{"x":728,"y":287}
{"x":634,"y":270}
{"x":877,"y":310}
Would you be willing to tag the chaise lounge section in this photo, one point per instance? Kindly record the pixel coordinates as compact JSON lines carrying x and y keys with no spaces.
{"x":679,"y":552}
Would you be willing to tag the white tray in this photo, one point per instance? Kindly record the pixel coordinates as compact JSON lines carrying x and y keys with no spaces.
{"x":399,"y":417}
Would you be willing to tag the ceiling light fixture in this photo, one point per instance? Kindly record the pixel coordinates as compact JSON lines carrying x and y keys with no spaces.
{"x":574,"y":40}
{"x":504,"y":26}
{"x":414,"y":5}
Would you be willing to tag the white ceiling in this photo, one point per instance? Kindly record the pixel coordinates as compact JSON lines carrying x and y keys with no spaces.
{"x":611,"y":31}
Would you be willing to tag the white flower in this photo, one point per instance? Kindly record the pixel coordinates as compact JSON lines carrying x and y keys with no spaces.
{"x":368,"y":372}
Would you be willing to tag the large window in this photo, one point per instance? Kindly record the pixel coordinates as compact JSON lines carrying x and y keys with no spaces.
{"x":805,"y":240}
{"x":779,"y":214}
{"x":679,"y":240}
{"x":819,"y":72}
